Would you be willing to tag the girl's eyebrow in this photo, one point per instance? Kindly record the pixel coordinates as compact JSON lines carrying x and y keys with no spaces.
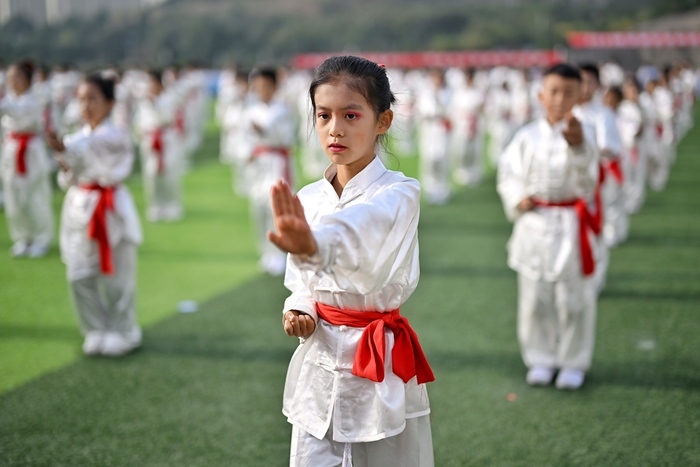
{"x":347,"y":107}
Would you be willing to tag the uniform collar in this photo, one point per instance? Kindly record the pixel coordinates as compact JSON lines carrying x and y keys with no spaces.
{"x":358,"y":184}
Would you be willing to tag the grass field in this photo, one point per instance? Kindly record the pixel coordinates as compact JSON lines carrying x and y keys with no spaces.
{"x":206,"y":387}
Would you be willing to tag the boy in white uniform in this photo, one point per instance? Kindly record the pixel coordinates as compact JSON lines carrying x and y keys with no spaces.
{"x":270,"y":136}
{"x":162,"y":151}
{"x":466,"y":108}
{"x":434,"y":131}
{"x":607,"y":138}
{"x":546,"y":178}
{"x":25,"y":167}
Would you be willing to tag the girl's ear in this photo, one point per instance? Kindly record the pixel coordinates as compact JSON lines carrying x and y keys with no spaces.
{"x":384,"y":121}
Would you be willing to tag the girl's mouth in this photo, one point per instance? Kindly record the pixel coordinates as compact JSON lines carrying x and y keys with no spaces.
{"x":335,"y":147}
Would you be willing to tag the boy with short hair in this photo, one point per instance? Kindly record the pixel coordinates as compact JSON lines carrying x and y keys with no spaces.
{"x":546,"y":178}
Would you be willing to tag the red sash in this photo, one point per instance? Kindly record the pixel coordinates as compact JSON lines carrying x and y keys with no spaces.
{"x":157,"y":147}
{"x":282,"y":151}
{"x":97,"y":228}
{"x":634,"y":155}
{"x":408,"y":359}
{"x":615,"y":169}
{"x":586,"y":222}
{"x":446,"y":124}
{"x":180,"y":121}
{"x":23,"y":140}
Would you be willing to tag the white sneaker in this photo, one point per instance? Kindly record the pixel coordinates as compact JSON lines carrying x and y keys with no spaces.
{"x":19,"y":249}
{"x":134,"y":338}
{"x":570,"y":378}
{"x":37,"y":250}
{"x":92,"y":343}
{"x":539,"y":376}
{"x":115,"y":345}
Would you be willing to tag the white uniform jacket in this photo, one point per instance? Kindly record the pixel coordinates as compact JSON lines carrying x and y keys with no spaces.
{"x":539,"y":162}
{"x":102,"y":156}
{"x":367,"y":260}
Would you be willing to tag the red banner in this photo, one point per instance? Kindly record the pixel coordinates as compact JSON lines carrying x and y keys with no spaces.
{"x":633,"y":40}
{"x":463,"y":59}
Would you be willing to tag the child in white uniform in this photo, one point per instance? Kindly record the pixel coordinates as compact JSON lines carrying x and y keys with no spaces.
{"x":546,"y":178}
{"x":100,"y":228}
{"x":162,"y":151}
{"x":466,"y":108}
{"x":353,"y":262}
{"x":25,"y":167}
{"x":270,"y":135}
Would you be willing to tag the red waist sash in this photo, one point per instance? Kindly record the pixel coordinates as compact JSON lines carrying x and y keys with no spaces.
{"x":97,"y":228}
{"x":158,"y":147}
{"x":408,"y":359}
{"x":23,"y":140}
{"x":586,"y":222}
{"x":282,"y":151}
{"x":613,"y":167}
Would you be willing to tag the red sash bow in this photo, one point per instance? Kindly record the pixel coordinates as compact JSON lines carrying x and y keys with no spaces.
{"x":408,"y":359}
{"x":615,"y":169}
{"x":97,"y":228}
{"x":158,"y":147}
{"x":23,"y":140}
{"x":586,"y":222}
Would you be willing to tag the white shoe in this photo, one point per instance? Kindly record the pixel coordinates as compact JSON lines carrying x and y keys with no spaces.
{"x":37,"y":250}
{"x":19,"y":249}
{"x":539,"y":376}
{"x":92,"y":343}
{"x":115,"y":345}
{"x":570,"y":378}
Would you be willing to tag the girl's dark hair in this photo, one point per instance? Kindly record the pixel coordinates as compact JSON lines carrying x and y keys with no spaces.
{"x":361,"y":75}
{"x":617,"y":92}
{"x":26,"y":67}
{"x":156,"y":75}
{"x":105,"y":85}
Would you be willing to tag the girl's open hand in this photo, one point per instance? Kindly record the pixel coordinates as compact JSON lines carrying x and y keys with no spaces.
{"x":293,"y":232}
{"x":298,"y":324}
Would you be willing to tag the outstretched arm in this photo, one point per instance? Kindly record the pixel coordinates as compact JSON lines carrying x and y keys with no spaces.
{"x":293,"y":232}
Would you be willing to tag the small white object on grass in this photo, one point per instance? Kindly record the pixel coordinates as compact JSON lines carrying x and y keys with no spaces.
{"x":646,"y":344}
{"x":187,"y":306}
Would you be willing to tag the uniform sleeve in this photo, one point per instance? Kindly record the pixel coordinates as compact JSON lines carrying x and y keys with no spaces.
{"x":25,"y":112}
{"x":511,"y":176}
{"x":300,"y":299}
{"x":368,"y":246}
{"x":106,"y":158}
{"x":584,"y":163}
{"x":279,"y":130}
{"x":608,"y":135}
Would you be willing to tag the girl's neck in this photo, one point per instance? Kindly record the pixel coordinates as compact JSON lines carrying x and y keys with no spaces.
{"x":345,"y":173}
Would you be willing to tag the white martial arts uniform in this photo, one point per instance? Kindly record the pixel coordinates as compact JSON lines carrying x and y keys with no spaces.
{"x":434,"y":130}
{"x":498,"y":111}
{"x":162,"y":155}
{"x":268,"y":159}
{"x":615,"y":217}
{"x":466,"y":106}
{"x":658,"y":175}
{"x":367,"y":260}
{"x":630,"y":123}
{"x":100,"y":157}
{"x":556,"y":301}
{"x":26,"y":184}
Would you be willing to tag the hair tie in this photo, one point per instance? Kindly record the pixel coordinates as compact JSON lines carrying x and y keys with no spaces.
{"x":381,"y":65}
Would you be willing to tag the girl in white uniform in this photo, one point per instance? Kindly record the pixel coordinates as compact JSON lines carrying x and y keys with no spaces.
{"x":162,"y":151}
{"x":355,"y":391}
{"x":100,"y":228}
{"x":25,"y":167}
{"x":466,"y":108}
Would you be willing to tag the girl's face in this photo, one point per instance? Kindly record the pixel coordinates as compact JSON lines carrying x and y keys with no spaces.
{"x":94,"y":106}
{"x":347,"y":125}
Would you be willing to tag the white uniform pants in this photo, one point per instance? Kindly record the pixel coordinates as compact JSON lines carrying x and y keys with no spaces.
{"x":106,"y":303}
{"x":163,"y":194}
{"x":615,"y":217}
{"x":556,"y":322}
{"x":413,"y":447}
{"x":28,"y":209}
{"x":468,"y":160}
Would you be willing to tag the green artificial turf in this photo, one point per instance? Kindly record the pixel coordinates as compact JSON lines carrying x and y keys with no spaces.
{"x":206,"y":387}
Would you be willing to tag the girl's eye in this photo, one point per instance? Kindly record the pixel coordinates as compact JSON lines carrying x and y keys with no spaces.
{"x":322,"y":116}
{"x":351,"y":116}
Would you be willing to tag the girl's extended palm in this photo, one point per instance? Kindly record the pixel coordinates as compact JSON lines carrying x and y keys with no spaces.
{"x":293,"y":232}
